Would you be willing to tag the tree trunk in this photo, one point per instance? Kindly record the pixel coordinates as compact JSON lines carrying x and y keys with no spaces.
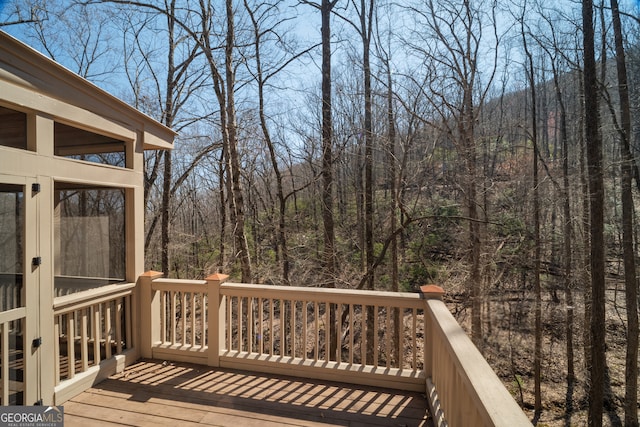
{"x":567,"y":241}
{"x":168,"y":121}
{"x":281,"y":241}
{"x":242,"y":247}
{"x":166,"y":206}
{"x":329,"y":255}
{"x":223,"y":211}
{"x":393,"y":223}
{"x":537,"y":358}
{"x":631,"y":291}
{"x":596,"y":211}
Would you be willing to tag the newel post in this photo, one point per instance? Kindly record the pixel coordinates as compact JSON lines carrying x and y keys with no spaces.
{"x":216,"y":313}
{"x":429,"y":292}
{"x":149,"y":310}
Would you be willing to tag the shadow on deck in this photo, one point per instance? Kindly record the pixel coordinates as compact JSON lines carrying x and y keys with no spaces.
{"x":157,"y":393}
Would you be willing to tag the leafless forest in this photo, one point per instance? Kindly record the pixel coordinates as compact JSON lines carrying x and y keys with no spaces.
{"x":490,"y":147}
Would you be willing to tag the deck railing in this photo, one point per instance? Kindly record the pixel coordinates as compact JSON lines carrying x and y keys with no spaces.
{"x":400,"y":340}
{"x":12,"y":356}
{"x":91,"y":330}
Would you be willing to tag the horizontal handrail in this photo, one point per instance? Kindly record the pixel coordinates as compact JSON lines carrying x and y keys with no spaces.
{"x":332,"y":295}
{"x":81,"y":300}
{"x":13,"y":314}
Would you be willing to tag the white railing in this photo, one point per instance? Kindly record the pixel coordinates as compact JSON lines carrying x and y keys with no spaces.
{"x":399,"y":340}
{"x":91,"y":329}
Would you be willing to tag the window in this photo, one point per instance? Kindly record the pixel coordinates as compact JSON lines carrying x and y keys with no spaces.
{"x":89,"y":237}
{"x":13,"y":128}
{"x":79,"y":144}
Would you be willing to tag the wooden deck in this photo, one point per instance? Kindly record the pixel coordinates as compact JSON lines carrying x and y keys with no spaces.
{"x":156,"y":393}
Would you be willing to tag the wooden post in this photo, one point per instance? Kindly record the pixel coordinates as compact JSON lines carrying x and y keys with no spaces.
{"x":149,"y":313}
{"x":216,"y":314}
{"x":429,"y":292}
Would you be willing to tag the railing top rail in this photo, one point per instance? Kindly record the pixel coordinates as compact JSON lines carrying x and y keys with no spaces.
{"x":13,"y":314}
{"x":179,"y":285}
{"x":82,"y":299}
{"x":180,"y":281}
{"x":331,"y":295}
{"x":298,"y":293}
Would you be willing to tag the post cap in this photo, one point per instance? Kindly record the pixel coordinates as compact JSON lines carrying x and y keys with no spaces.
{"x":151,"y":274}
{"x":217,"y":277}
{"x":431,"y":292}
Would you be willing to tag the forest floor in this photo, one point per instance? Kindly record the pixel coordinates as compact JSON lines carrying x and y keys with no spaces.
{"x":509,"y":348}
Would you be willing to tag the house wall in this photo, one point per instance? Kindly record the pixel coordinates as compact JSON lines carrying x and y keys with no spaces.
{"x":48,"y":93}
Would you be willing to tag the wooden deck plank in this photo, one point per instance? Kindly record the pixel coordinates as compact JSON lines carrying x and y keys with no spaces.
{"x":157,"y":393}
{"x":89,"y":413}
{"x":75,"y":420}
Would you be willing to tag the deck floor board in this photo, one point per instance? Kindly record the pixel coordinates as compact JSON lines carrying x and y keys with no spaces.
{"x":156,"y":393}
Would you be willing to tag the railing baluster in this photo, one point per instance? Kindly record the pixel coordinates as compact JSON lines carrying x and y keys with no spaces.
{"x":327,"y":332}
{"x":96,"y":334}
{"x":316,"y":325}
{"x":388,"y":333}
{"x":229,"y":324}
{"x":283,"y":328}
{"x":260,"y":325}
{"x":56,"y":351}
{"x":183,"y":313}
{"x":192,"y":325}
{"x":375,"y":336}
{"x":84,"y":340}
{"x":118,"y":326}
{"x":163,"y":316}
{"x":305,"y":319}
{"x":71,"y":359}
{"x":107,"y":330}
{"x":127,"y":322}
{"x":4,"y":334}
{"x":173,"y":317}
{"x":363,"y":335}
{"x":271,"y":337}
{"x":338,"y":333}
{"x":205,"y":320}
{"x":414,"y":330}
{"x":239,"y":316}
{"x":351,"y":326}
{"x":250,"y":301}
{"x":400,"y":334}
{"x":292,"y":327}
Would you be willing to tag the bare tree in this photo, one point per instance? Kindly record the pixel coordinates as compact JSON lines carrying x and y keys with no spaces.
{"x":554,"y":51}
{"x":537,"y":358}
{"x":631,"y":290}
{"x":452,"y":51}
{"x":364,"y":10}
{"x":77,"y":35}
{"x":241,"y":245}
{"x":384,"y":54}
{"x":596,"y":210}
{"x":266,"y":18}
